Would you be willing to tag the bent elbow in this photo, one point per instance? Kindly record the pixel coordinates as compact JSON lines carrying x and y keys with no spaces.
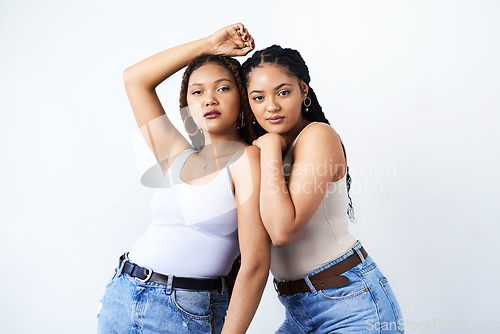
{"x":127,"y":76}
{"x":282,"y":229}
{"x":280,"y":242}
{"x":281,"y":238}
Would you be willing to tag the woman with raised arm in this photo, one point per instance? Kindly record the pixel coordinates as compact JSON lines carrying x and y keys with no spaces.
{"x":323,"y":276}
{"x":206,"y":210}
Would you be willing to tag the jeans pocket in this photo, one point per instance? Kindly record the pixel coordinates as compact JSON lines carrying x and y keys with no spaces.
{"x":340,"y":293}
{"x":354,"y":287}
{"x":193,"y":304}
{"x":394,"y":303}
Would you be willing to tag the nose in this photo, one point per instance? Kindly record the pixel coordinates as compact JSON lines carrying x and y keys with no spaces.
{"x":210,"y":100}
{"x":272,"y":106}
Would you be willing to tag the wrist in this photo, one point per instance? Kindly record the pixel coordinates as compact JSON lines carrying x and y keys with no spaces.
{"x":208,"y":45}
{"x":274,"y":141}
{"x":202,"y":46}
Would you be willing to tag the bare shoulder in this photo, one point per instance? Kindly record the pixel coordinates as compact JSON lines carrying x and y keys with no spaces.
{"x":319,"y":143}
{"x":247,"y":164}
{"x":247,"y":157}
{"x":318,"y":135}
{"x":253,"y":153}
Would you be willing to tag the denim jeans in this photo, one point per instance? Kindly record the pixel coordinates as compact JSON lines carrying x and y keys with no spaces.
{"x":130,"y":306}
{"x":366,"y":304}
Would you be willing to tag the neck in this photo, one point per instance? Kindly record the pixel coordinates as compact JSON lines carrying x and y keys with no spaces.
{"x":214,"y":138}
{"x":289,"y":136}
{"x":211,"y":153}
{"x":221,"y":148}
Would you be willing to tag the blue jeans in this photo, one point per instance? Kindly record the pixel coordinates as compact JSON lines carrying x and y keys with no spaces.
{"x":130,"y":306}
{"x":365,"y":305}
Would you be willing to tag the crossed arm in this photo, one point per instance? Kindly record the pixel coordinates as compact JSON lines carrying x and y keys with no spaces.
{"x":318,"y":160}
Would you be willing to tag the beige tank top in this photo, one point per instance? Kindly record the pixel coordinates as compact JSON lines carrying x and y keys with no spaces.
{"x":325,"y":237}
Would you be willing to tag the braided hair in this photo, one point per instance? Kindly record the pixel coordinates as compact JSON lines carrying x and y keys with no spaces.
{"x":196,"y":135}
{"x":294,"y":65}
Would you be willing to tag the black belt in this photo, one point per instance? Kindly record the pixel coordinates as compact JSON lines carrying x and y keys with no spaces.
{"x":144,"y":274}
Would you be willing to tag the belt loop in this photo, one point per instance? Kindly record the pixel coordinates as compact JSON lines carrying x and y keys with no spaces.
{"x":169,"y":284}
{"x":119,"y":270}
{"x":223,"y":280}
{"x":309,"y":284}
{"x":361,"y":257}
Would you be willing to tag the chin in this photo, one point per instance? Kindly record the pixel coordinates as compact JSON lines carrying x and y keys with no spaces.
{"x":221,"y":128}
{"x":276,"y":128}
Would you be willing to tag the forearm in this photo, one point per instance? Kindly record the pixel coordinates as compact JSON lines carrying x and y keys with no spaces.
{"x":141,"y":80}
{"x":151,"y":71}
{"x":245,"y":298}
{"x":276,"y":205}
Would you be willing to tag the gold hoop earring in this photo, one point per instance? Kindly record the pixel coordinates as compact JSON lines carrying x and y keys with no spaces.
{"x":308,"y":104}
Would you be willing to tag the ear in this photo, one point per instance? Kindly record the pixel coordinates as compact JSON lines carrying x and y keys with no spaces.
{"x":304,"y":88}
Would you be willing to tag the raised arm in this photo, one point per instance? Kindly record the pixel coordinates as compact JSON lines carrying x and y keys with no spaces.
{"x":142,"y":79}
{"x":318,"y":159}
{"x":255,"y":245}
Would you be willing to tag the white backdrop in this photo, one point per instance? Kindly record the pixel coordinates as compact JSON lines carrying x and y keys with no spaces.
{"x":411,"y":86}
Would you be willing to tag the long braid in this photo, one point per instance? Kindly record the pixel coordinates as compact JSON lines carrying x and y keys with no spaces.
{"x":292,"y":62}
{"x":247,"y":133}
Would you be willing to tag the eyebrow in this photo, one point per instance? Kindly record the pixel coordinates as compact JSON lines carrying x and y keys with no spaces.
{"x":216,"y":81}
{"x":275,"y":88}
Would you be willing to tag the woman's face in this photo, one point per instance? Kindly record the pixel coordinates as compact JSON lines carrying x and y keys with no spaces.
{"x":276,"y":98}
{"x":213,"y":98}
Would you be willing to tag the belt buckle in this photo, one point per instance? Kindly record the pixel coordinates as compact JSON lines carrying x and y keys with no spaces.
{"x":122,"y":264}
{"x":148,"y":276}
{"x":275,"y":284}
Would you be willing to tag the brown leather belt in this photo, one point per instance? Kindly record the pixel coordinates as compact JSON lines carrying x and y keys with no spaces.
{"x":326,"y":279}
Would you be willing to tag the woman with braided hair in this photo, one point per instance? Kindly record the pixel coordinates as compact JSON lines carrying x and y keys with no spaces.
{"x":205,"y":210}
{"x":323,"y":276}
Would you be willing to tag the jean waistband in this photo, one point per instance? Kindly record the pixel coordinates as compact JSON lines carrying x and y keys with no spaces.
{"x":355,"y":249}
{"x":145,"y":274}
{"x":328,"y":276}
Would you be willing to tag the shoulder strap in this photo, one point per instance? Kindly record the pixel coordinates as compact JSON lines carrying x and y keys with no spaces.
{"x":234,"y":157}
{"x":230,"y":162}
{"x":343,"y":149}
{"x":174,"y":171}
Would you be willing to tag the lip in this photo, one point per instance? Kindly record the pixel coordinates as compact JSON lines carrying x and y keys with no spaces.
{"x":212,"y":113}
{"x":276,"y":119}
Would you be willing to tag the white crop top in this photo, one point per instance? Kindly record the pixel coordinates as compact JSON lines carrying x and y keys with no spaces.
{"x":324,"y":238}
{"x":193,"y":232}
